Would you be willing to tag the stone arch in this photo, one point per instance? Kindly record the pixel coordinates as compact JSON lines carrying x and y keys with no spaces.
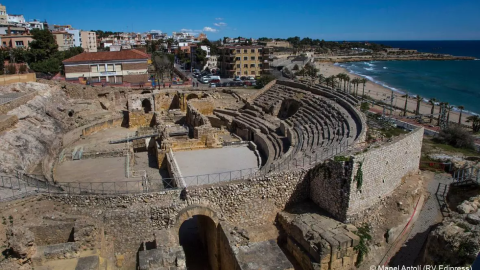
{"x":195,"y":210}
{"x":288,"y":108}
{"x":192,"y":96}
{"x":146,"y":105}
{"x":196,"y":228}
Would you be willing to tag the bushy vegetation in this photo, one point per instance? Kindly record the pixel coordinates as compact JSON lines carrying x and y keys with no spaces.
{"x":456,"y":136}
{"x":264,"y":80}
{"x":364,"y":233}
{"x":42,"y":54}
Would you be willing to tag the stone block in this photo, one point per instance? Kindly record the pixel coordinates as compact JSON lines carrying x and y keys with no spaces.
{"x":88,"y":263}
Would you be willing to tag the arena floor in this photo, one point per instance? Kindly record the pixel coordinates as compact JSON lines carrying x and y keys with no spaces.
{"x":216,"y":161}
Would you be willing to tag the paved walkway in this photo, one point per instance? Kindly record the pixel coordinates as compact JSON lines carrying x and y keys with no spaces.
{"x":429,"y":216}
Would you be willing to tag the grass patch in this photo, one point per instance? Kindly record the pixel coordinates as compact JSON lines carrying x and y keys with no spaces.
{"x":451,"y":149}
{"x":393,"y":132}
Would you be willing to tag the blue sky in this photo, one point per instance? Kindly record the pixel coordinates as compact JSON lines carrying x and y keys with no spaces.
{"x":322,"y":19}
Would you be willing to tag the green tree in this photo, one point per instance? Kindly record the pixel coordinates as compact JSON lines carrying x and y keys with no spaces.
{"x":475,"y":120}
{"x":264,"y":80}
{"x":43,"y":46}
{"x":364,"y":106}
{"x":364,"y":82}
{"x":461,"y":108}
{"x":19,"y":55}
{"x":163,"y":64}
{"x":50,"y":66}
{"x":200,"y":55}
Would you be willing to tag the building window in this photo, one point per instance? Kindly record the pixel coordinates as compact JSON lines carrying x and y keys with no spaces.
{"x":94,"y":68}
{"x":101,"y":68}
{"x":252,"y":65}
{"x":252,"y":58}
{"x":245,"y":65}
{"x":253,"y":72}
{"x":238,"y":59}
{"x":259,"y":58}
{"x":238,"y":51}
{"x":95,"y":79}
{"x":110,"y":67}
{"x":238,"y":65}
{"x":118,"y":67}
{"x":245,"y":51}
{"x":111,"y":79}
{"x":245,"y":58}
{"x":260,"y":65}
{"x":239,"y":73}
{"x":19,"y":43}
{"x":253,"y":50}
{"x":119,"y":79}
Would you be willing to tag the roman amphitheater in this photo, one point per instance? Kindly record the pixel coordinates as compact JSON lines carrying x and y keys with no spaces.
{"x":277,"y":178}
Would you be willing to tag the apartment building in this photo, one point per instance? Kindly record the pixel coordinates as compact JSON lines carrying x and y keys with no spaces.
{"x":125,"y":67}
{"x":64,"y":40}
{"x":16,"y":40}
{"x":3,"y":15}
{"x":244,"y":60}
{"x":88,"y":41}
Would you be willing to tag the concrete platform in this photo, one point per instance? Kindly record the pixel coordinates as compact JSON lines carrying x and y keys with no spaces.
{"x":92,"y":170}
{"x":263,"y":255}
{"x":214,"y":161}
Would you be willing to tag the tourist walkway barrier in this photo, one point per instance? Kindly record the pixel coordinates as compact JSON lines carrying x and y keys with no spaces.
{"x":21,"y":185}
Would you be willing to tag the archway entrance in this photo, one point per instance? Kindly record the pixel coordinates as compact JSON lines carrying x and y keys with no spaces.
{"x":198,"y":237}
{"x":146,"y":105}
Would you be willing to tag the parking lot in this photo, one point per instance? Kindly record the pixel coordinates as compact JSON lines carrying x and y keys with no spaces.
{"x":224,"y":82}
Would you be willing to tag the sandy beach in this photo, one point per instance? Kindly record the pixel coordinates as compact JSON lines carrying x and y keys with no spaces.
{"x":382,"y":93}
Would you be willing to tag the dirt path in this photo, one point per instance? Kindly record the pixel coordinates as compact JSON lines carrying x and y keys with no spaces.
{"x":429,"y":216}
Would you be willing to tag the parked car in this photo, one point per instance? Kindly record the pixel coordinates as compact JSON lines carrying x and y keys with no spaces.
{"x":251,"y":78}
{"x":248,"y":83}
{"x":231,"y":83}
{"x":212,"y":85}
{"x":237,"y":79}
{"x":243,"y":78}
{"x":238,"y":83}
{"x":215,"y":81}
{"x":224,"y":84}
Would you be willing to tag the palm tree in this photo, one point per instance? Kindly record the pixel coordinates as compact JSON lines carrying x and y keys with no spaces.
{"x":432,"y":102}
{"x":475,"y":120}
{"x":419,"y":99}
{"x":363,"y":81}
{"x":461,"y":108}
{"x":347,"y":79}
{"x":321,"y":79}
{"x":449,"y":108}
{"x":340,"y":77}
{"x":406,"y":101}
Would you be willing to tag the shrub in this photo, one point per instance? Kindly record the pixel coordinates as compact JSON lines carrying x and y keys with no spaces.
{"x":456,"y":136}
{"x":22,"y":69}
{"x":11,"y":69}
{"x":296,"y":67}
{"x":364,"y":106}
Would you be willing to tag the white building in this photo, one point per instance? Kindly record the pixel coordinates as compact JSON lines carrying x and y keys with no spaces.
{"x":77,"y":41}
{"x":207,"y":49}
{"x":35,"y":25}
{"x":15,"y":19}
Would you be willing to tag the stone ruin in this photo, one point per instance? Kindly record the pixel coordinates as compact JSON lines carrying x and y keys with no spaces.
{"x":293,"y":213}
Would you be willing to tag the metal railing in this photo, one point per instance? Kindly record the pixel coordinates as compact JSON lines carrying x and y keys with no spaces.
{"x":21,"y":185}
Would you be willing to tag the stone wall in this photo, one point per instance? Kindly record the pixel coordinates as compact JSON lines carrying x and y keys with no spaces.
{"x":53,"y":233}
{"x":135,"y":101}
{"x":140,"y":119}
{"x":74,"y":135}
{"x":195,"y":118}
{"x":174,"y":170}
{"x":6,"y":107}
{"x":383,"y":169}
{"x":204,"y":106}
{"x":167,"y":100}
{"x":261,"y":91}
{"x":18,"y":78}
{"x":335,"y":187}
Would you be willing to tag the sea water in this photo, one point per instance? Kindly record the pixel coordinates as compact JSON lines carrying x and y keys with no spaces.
{"x":455,"y":82}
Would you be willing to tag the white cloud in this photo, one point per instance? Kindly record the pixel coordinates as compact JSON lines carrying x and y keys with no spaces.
{"x":209,"y":29}
{"x":220,"y":24}
{"x":219,"y":19}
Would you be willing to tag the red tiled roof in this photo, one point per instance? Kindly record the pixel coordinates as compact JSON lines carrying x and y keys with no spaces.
{"x":107,"y":56}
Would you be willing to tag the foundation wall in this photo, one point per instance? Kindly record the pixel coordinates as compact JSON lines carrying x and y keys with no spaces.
{"x":6,"y":107}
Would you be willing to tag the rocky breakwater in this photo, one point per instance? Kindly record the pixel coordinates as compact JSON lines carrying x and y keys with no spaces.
{"x":456,"y":241}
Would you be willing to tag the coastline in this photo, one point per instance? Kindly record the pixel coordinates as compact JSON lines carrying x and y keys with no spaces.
{"x":429,"y":57}
{"x":382,"y":93}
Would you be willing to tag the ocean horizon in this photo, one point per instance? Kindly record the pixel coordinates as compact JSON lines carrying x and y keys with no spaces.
{"x":453,"y":81}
